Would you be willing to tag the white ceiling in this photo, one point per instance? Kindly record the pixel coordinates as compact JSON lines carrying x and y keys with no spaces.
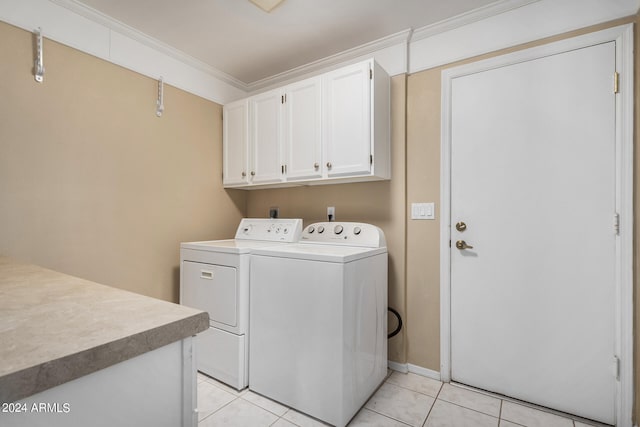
{"x":243,"y":41}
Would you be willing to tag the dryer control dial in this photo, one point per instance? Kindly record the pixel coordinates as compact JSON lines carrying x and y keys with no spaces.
{"x":344,"y":233}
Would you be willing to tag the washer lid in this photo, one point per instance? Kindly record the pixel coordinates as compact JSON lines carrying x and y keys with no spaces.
{"x":229,"y":246}
{"x":319,"y":252}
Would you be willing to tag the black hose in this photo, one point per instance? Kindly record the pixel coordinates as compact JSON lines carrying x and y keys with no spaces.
{"x":399,"y":327}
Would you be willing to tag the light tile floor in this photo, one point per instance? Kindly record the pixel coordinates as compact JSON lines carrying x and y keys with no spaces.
{"x":402,"y":400}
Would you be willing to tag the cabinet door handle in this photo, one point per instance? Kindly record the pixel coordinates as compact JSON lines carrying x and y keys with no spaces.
{"x":244,"y":174}
{"x":316,"y":165}
{"x":329,"y":165}
{"x":253,"y":173}
{"x":206,"y":274}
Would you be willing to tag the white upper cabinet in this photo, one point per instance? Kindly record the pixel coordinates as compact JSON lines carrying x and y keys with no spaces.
{"x":265,"y":112}
{"x":235,"y":140}
{"x":333,"y":128}
{"x":302,"y":128}
{"x":347,"y":121}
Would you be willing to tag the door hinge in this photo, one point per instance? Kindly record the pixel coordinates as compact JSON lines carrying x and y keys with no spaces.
{"x":616,"y":367}
{"x":616,"y":82}
{"x":449,"y":243}
{"x":370,"y":159}
{"x":370,"y":74}
{"x":616,"y":223}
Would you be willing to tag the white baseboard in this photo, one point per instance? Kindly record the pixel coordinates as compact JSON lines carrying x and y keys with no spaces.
{"x":399,"y":367}
{"x":414,"y":369}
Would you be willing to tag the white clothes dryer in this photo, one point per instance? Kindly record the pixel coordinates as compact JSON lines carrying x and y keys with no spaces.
{"x":214,"y":277}
{"x":318,"y":320}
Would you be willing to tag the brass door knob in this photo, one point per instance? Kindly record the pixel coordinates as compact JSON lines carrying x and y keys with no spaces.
{"x":329,"y":165}
{"x":461,"y":244}
{"x":461,"y":226}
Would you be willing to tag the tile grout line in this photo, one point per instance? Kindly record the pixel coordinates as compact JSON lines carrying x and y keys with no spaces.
{"x":536,"y":407}
{"x":263,"y":408}
{"x":386,"y":381}
{"x":433,"y":404}
{"x":387,"y":416}
{"x":220,"y":408}
{"x":470,"y":409}
{"x":381,"y":414}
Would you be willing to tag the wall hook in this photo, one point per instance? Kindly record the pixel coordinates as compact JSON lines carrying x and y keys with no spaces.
{"x":38,"y":67}
{"x":160,"y":101}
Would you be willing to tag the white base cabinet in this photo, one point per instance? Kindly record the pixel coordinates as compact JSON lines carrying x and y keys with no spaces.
{"x":330,"y":129}
{"x":157,"y":389}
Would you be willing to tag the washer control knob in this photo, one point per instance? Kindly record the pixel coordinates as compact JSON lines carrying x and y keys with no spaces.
{"x":320,"y":229}
{"x":311,"y":229}
{"x":338,"y":229}
{"x":357,"y":230}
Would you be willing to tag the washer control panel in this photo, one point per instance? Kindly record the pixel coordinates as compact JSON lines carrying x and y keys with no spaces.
{"x":344,"y":233}
{"x":269,"y":229}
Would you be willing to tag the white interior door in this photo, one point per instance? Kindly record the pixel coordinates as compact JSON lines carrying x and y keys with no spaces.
{"x":533,"y":178}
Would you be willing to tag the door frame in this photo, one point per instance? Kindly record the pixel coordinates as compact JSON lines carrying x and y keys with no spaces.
{"x":623,"y":37}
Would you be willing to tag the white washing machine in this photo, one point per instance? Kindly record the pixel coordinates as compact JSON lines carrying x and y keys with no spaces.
{"x":319,"y":320}
{"x":214,"y":277}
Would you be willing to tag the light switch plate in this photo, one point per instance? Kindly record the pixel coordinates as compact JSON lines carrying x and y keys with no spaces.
{"x":423,"y":211}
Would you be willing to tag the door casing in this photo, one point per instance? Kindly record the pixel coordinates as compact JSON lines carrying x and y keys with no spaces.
{"x":623,"y":37}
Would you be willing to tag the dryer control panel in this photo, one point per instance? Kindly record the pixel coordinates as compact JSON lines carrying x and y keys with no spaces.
{"x":270,"y":229}
{"x":344,"y":233}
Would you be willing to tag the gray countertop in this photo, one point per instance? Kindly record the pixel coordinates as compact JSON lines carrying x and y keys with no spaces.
{"x":55,"y":328}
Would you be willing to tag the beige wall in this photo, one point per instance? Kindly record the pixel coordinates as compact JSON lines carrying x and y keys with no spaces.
{"x":92,"y":183}
{"x":380,"y":203}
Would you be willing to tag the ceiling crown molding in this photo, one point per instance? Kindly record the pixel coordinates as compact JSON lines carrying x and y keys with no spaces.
{"x":405,"y":38}
{"x":340,"y":58}
{"x":124,"y":29}
{"x":466,"y":18}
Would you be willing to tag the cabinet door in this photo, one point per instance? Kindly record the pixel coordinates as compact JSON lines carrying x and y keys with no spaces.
{"x":266,"y":136}
{"x":235,"y":143}
{"x":302,"y":132}
{"x":347,"y":121}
